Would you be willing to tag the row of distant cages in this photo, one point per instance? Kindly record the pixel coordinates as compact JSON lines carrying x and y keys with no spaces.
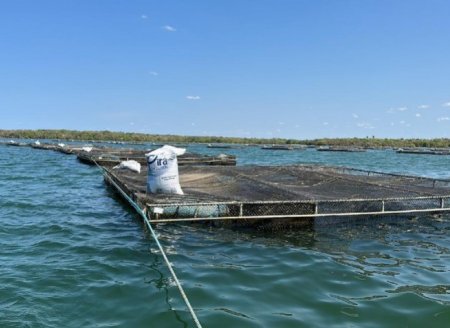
{"x":220,"y":145}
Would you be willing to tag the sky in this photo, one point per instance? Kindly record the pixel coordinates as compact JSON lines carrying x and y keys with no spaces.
{"x":300,"y":69}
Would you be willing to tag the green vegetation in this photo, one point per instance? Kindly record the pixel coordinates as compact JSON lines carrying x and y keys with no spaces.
{"x":380,"y":143}
{"x":157,"y":138}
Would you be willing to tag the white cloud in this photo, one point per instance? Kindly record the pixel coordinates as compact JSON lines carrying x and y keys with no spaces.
{"x":365,"y":125}
{"x":418,"y":115}
{"x":144,"y":16}
{"x":325,"y":123}
{"x":447,"y":104}
{"x":402,"y":122}
{"x":423,"y":106}
{"x":402,"y":109}
{"x":169,"y":28}
{"x":193,"y":97}
{"x":441,"y":119}
{"x":153,"y":73}
{"x":355,"y":115}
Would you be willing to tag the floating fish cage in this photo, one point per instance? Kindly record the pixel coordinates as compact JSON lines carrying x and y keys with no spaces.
{"x":342,"y":149}
{"x":111,"y":158}
{"x":261,"y":196}
{"x":424,"y":151}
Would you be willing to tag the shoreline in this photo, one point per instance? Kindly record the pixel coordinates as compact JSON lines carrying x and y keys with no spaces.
{"x":131,"y":137}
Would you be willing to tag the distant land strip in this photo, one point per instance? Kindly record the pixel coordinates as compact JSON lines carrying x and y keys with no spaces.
{"x":367,"y":142}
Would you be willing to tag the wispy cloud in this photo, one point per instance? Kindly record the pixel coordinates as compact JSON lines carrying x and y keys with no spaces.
{"x":193,"y":97}
{"x":418,"y":115}
{"x":423,"y":106}
{"x":442,"y":119}
{"x":397,"y":109}
{"x":144,"y":16}
{"x":153,"y":73}
{"x":447,"y":104}
{"x":325,"y":123}
{"x":355,"y":115}
{"x":169,"y":28}
{"x":365,"y":125}
{"x":404,"y":123}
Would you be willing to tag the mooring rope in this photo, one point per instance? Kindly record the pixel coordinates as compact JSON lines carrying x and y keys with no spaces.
{"x":155,"y":237}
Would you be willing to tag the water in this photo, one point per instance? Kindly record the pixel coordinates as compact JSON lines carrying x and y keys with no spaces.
{"x":72,"y":254}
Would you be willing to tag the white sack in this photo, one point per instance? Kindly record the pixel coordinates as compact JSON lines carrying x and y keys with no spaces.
{"x":87,"y":149}
{"x":163,"y":170}
{"x":130,"y":165}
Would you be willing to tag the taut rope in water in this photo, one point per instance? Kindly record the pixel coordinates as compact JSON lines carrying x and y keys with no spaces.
{"x":169,"y":265}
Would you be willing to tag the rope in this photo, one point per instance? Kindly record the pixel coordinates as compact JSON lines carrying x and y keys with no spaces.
{"x":155,"y":237}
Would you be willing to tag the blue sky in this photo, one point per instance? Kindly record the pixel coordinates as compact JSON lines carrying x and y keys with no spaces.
{"x":251,"y":68}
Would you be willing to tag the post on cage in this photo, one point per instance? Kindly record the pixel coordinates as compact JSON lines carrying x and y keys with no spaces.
{"x":382,"y":205}
{"x":157,"y":211}
{"x":442,"y":202}
{"x":316,"y":208}
{"x":241,"y":209}
{"x":195,"y":212}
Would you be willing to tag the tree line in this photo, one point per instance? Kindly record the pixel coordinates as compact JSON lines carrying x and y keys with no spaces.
{"x":160,"y":138}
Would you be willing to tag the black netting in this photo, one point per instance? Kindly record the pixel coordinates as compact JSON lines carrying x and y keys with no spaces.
{"x":287,"y":191}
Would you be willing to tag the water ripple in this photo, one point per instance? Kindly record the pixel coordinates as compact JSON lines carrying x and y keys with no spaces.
{"x":73,"y":256}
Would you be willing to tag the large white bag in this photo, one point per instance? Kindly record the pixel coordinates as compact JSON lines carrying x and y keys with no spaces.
{"x":163,"y":170}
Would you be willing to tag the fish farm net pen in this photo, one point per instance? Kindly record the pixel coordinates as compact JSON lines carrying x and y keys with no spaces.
{"x":155,"y":237}
{"x":267,"y":197}
{"x":282,"y":210}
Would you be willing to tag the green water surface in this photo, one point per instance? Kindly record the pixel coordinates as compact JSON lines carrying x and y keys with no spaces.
{"x":72,"y":254}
